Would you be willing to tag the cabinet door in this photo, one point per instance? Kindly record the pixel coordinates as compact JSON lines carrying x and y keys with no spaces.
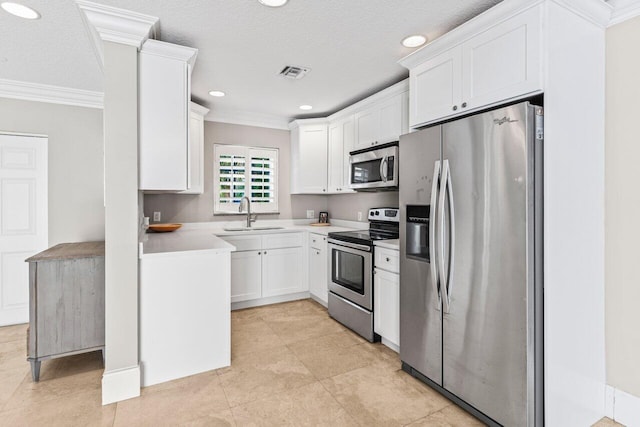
{"x":282,"y":271}
{"x":386,"y":288}
{"x":318,"y":264}
{"x":341,"y":138}
{"x":309,"y":160}
{"x":246,"y":275}
{"x":163,"y":122}
{"x":196,"y":155}
{"x":367,"y":127}
{"x":503,"y":62}
{"x":436,"y":88}
{"x":391,"y":119}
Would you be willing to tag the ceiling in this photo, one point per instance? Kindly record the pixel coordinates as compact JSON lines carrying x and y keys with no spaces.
{"x":351,"y":46}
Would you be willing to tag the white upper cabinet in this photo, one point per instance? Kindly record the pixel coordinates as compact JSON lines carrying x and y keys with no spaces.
{"x":320,"y":147}
{"x":500,"y":63}
{"x":504,"y":61}
{"x":196,"y":150}
{"x":341,"y":142}
{"x":382,"y":122}
{"x":436,"y":87}
{"x":309,"y":156}
{"x":164,"y":75}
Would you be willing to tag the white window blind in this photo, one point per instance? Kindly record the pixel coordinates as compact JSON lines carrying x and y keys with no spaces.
{"x":245,"y":171}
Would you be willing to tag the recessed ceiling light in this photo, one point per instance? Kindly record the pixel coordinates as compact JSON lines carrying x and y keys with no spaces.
{"x":217,"y":93}
{"x":20,"y":10}
{"x":414,"y":41}
{"x":306,"y":107}
{"x":273,"y":3}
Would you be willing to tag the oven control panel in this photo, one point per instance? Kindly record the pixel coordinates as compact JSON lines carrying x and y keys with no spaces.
{"x":384,"y":214}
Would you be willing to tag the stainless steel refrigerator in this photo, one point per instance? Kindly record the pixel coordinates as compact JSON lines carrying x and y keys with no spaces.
{"x":471,"y":262}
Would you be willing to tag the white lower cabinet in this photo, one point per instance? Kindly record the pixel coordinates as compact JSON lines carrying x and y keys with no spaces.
{"x":386,"y":297}
{"x":266,"y":266}
{"x":282,"y":271}
{"x":318,"y":267}
{"x":246,"y":276}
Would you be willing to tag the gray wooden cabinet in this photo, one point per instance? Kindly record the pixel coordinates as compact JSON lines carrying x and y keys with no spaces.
{"x":66,"y":302}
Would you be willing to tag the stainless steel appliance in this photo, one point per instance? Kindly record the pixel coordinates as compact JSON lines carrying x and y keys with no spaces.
{"x":351,"y":279}
{"x":471,"y":262}
{"x":374,"y":169}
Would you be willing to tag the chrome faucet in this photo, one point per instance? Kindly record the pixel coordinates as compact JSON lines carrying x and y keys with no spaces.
{"x":249,"y":219}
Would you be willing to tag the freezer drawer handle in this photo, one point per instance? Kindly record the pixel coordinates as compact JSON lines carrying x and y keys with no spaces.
{"x":432,"y":233}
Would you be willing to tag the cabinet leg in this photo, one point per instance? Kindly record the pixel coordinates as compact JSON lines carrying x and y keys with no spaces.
{"x":35,"y":370}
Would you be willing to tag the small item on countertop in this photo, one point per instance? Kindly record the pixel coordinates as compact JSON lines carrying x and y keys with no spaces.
{"x":324,"y":218}
{"x":163,"y":228}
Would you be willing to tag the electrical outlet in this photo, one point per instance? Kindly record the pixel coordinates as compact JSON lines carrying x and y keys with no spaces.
{"x":311,"y":213}
{"x":156,"y":216}
{"x":359,"y":216}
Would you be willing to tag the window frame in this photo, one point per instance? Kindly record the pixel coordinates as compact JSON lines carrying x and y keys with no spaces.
{"x":248,"y":152}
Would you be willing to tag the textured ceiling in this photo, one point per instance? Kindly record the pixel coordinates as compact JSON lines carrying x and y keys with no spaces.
{"x":351,"y":47}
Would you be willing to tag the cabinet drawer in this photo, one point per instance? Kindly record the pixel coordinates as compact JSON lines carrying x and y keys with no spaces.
{"x":244,"y":243}
{"x":387,"y":259}
{"x":284,"y":240}
{"x":317,"y":241}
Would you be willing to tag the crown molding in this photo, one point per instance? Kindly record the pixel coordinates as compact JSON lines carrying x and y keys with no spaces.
{"x":112,"y":24}
{"x":198,"y":109}
{"x":248,"y":118}
{"x":170,"y":50}
{"x":624,"y":10}
{"x":48,"y":93}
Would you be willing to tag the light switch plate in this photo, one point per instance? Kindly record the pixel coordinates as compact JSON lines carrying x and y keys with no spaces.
{"x":359,"y":216}
{"x":156,"y":216}
{"x":311,"y":214}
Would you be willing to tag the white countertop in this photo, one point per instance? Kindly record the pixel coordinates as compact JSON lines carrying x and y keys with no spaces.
{"x":388,"y":244}
{"x":183,"y":241}
{"x":204,"y":236}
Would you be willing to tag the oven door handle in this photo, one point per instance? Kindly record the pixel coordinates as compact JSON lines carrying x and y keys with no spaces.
{"x":349,"y":245}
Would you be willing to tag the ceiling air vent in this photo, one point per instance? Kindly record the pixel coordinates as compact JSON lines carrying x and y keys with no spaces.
{"x":293,"y":72}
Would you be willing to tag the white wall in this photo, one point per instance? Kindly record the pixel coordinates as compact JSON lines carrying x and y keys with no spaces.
{"x":622,"y":206}
{"x":76,"y":211}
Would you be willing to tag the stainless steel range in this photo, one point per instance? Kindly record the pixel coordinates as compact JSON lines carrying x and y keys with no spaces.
{"x":351,"y":280}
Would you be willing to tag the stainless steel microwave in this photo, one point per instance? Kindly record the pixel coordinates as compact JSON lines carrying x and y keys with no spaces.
{"x":374,"y":168}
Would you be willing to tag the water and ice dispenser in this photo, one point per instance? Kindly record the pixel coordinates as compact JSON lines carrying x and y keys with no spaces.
{"x":418,"y":232}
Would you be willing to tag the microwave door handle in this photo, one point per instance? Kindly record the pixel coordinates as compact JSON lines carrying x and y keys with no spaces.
{"x":432,"y":234}
{"x":383,"y":167}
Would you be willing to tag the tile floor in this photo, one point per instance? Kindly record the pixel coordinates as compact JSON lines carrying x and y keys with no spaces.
{"x":291,"y":365}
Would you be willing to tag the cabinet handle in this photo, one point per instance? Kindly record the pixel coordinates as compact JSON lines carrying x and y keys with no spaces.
{"x":317,"y":253}
{"x":324,"y":189}
{"x":265,"y":252}
{"x":388,"y":259}
{"x":259,"y":253}
{"x":372,"y":143}
{"x":455,"y":107}
{"x":464,"y":105}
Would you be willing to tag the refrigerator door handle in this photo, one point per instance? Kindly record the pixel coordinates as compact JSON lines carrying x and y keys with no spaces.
{"x":432,"y":233}
{"x":383,"y":168}
{"x":440,"y":245}
{"x":447,"y":286}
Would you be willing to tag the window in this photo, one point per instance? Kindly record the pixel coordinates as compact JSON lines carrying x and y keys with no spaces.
{"x":245,"y":171}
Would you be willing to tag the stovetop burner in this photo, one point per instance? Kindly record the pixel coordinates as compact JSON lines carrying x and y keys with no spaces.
{"x":380,"y":228}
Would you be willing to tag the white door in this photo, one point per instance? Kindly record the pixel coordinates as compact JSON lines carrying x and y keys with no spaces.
{"x":367,"y":124}
{"x":23,"y":219}
{"x":386,"y":288}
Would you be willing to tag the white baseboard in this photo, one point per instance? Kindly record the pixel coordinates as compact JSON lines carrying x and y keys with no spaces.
{"x":269,"y":300}
{"x":389,"y":344}
{"x":622,"y":407}
{"x":120,"y":385}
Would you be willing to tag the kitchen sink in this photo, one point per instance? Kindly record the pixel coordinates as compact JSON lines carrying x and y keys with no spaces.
{"x":253,"y":228}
